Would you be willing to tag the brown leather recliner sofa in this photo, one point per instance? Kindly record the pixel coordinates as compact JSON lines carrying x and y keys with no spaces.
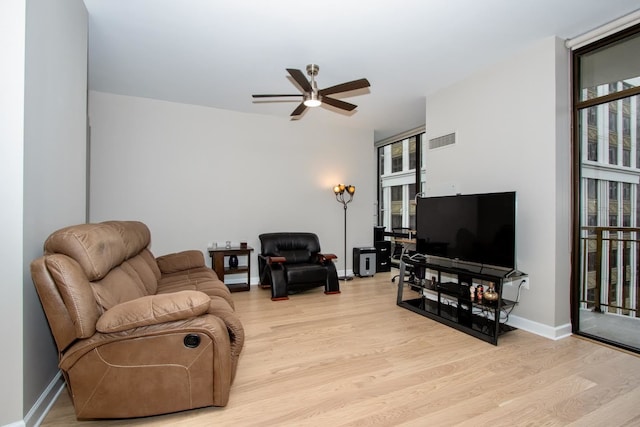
{"x":136,"y":335}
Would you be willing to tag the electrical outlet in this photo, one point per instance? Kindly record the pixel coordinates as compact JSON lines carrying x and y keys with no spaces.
{"x":517,"y":281}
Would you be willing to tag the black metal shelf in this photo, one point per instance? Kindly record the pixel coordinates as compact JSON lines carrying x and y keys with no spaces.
{"x":449,"y":302}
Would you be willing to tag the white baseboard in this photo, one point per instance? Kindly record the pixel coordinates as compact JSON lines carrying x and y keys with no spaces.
{"x":554,"y":333}
{"x":16,"y":424}
{"x":42,"y":406}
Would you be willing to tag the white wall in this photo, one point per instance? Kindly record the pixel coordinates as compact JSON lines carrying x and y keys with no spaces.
{"x":42,"y":168}
{"x":12,"y":30}
{"x":55,"y":117}
{"x":197,"y":175}
{"x":512,"y":122}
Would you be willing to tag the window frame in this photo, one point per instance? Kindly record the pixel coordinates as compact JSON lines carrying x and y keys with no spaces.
{"x":384,"y":196}
{"x":580,"y":195}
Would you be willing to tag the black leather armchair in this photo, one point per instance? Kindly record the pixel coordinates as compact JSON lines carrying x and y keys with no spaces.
{"x":291,"y":262}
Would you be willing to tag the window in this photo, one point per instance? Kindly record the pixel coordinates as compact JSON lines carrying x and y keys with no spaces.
{"x":626,"y":192}
{"x":613,"y":118}
{"x":412,"y":206}
{"x":396,"y":206}
{"x":613,"y":191}
{"x":592,"y":146}
{"x":399,"y":173}
{"x":592,"y":203}
{"x":592,"y":118}
{"x":626,"y":157}
{"x":591,"y":261}
{"x":613,"y":204}
{"x":592,"y":193}
{"x":613,"y":154}
{"x":396,"y":157}
{"x":626,"y":205}
{"x":412,"y":153}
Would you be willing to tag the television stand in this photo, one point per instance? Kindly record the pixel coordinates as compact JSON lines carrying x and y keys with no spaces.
{"x":514,"y":273}
{"x":446,"y":298}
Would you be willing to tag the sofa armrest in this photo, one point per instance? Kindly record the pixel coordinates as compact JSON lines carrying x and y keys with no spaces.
{"x":153,"y":310}
{"x":180,"y":261}
{"x":220,"y":308}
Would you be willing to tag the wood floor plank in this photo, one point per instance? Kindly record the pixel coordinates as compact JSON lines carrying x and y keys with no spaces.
{"x":357,"y":359}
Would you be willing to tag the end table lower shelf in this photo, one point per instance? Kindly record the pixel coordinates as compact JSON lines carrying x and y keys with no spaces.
{"x":218,"y":256}
{"x":238,"y":287}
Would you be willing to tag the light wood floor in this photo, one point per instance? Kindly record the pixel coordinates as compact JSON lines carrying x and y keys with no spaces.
{"x":356,"y":359}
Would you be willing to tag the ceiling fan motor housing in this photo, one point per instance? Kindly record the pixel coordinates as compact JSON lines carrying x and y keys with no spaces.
{"x":312,"y":69}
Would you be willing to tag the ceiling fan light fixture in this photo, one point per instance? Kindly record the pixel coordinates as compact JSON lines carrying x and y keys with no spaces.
{"x":312,"y":100}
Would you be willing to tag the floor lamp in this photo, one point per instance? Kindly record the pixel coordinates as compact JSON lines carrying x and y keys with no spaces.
{"x":339,"y":191}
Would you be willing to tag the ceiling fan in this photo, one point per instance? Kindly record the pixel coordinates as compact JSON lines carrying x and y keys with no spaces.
{"x":312,"y":97}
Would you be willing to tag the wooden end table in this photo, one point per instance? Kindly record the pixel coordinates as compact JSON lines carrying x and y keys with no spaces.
{"x":218,"y":256}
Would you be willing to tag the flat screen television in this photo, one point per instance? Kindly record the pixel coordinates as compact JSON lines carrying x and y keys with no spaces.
{"x":476,"y":228}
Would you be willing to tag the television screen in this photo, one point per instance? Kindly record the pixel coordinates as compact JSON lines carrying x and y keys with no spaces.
{"x":478,"y":228}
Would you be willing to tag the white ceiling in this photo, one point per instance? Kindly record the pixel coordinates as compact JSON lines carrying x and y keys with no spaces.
{"x":218,"y":53}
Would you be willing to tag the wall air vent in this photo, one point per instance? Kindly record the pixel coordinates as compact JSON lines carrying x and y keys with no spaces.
{"x":442,"y":141}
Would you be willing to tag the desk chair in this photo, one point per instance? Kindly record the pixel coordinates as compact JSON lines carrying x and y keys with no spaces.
{"x":403,"y":243}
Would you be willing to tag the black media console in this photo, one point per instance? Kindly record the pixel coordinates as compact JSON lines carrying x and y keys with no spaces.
{"x":442,"y":293}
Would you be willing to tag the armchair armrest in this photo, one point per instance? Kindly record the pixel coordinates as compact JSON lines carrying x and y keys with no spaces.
{"x":180,"y":261}
{"x":326,"y":257}
{"x":153,"y":310}
{"x":273,"y":259}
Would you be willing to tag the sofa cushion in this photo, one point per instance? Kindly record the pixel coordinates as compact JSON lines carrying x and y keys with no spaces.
{"x":135,"y":235}
{"x":153,"y":309}
{"x":99,"y":247}
{"x":197,"y":279}
{"x":76,"y":293}
{"x":144,"y":267}
{"x":122,"y":284}
{"x":180,"y":261}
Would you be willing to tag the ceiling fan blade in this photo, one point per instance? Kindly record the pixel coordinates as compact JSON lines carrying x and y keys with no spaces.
{"x":275,"y":95}
{"x":338,"y":103}
{"x":345,"y":87}
{"x":299,"y":109}
{"x":299,"y":77}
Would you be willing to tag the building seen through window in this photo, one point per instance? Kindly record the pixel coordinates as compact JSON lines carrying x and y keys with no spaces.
{"x":400,"y":167}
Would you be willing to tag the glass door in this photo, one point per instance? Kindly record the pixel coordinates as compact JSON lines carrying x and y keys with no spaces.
{"x":606,"y":288}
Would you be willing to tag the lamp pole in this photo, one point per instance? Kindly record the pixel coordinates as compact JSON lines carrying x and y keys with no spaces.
{"x":339,"y":191}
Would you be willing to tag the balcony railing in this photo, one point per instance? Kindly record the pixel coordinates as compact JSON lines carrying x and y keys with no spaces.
{"x":610,"y":279}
